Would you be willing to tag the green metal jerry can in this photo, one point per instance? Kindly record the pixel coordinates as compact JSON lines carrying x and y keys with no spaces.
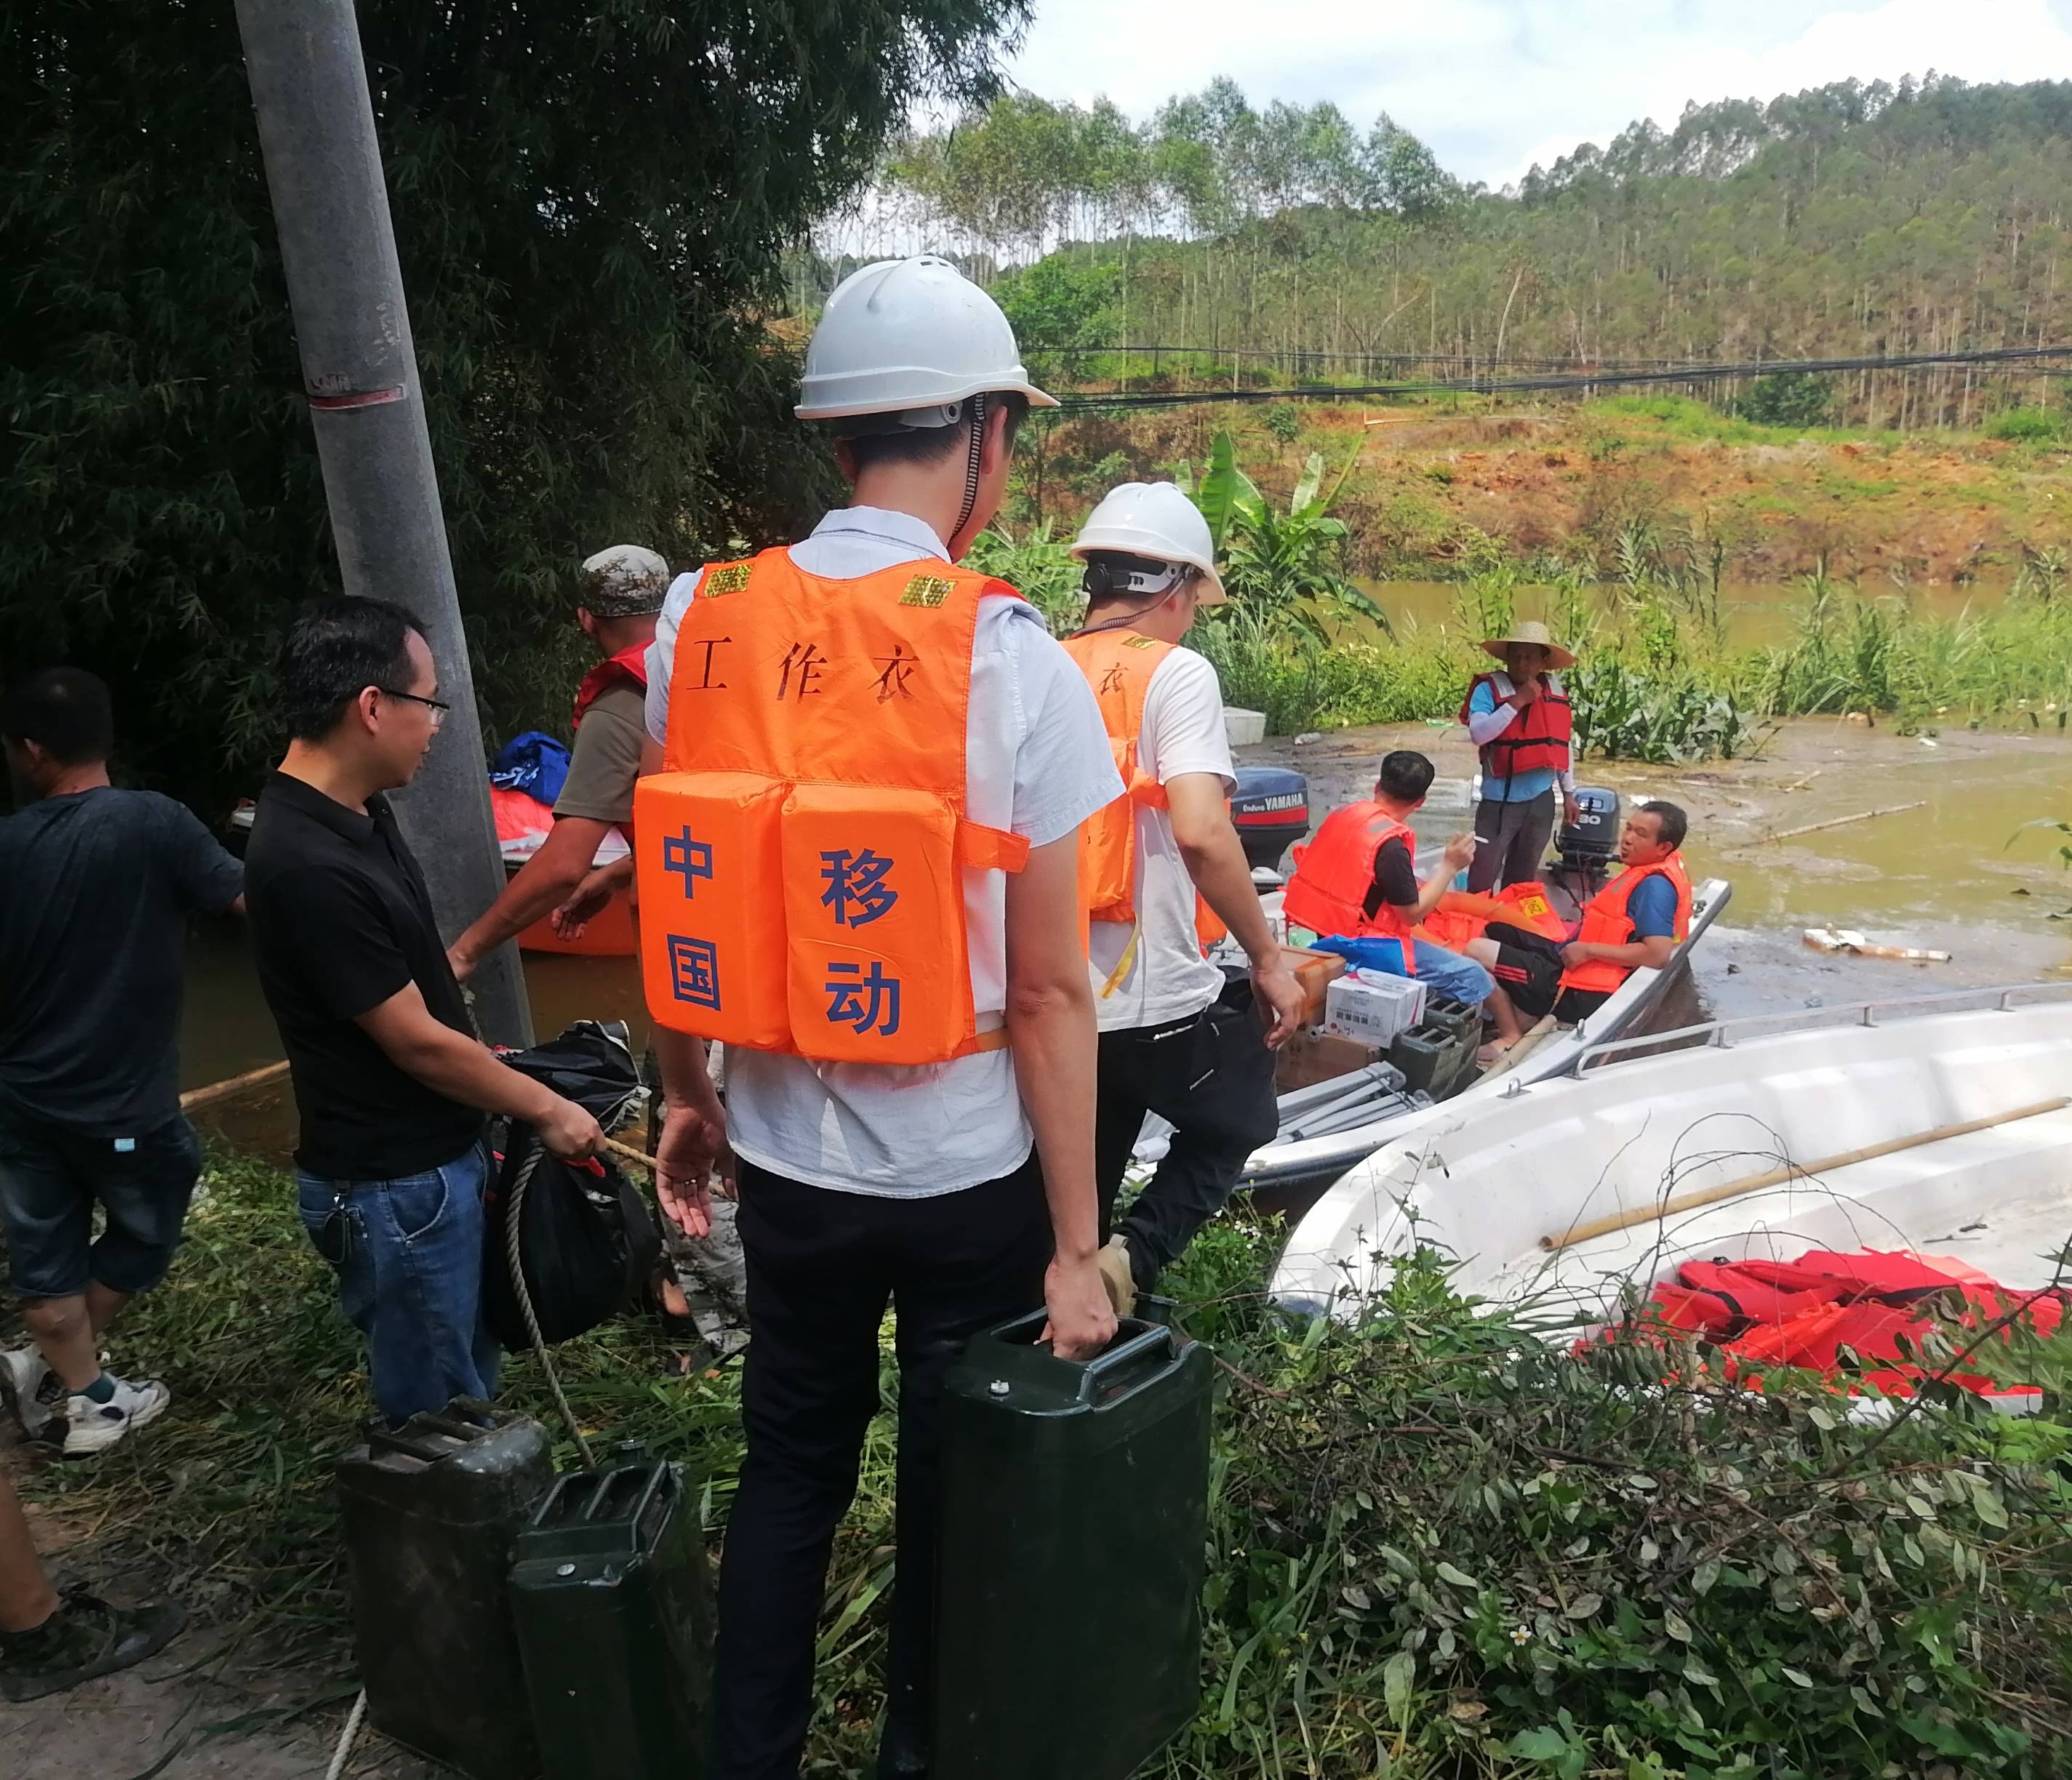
{"x":609,"y":1589}
{"x":429,"y":1512}
{"x":1069,"y":1562}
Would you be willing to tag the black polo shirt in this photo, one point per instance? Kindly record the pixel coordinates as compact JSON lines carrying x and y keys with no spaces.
{"x":340,"y":921}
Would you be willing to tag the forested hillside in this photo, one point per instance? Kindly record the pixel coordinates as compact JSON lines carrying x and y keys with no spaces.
{"x":1851,"y":220}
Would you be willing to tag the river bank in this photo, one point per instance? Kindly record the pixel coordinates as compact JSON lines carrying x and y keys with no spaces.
{"x":1456,"y":482}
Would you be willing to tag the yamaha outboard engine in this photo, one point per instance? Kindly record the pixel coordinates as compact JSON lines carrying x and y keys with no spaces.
{"x":1594,"y":833}
{"x":1588,"y":846}
{"x":1271,"y":810}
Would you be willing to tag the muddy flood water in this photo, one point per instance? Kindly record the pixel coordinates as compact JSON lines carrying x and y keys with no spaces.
{"x":1943,"y":876}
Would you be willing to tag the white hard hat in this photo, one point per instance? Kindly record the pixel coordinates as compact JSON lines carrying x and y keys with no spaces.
{"x":913,"y":337}
{"x":1154,"y":520}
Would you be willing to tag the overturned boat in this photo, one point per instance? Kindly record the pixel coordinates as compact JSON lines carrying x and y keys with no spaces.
{"x":1936,"y":1125}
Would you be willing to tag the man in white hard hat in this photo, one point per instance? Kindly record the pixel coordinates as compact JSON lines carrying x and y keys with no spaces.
{"x":960,"y":1191}
{"x":1166,"y":873}
{"x":621,"y":594}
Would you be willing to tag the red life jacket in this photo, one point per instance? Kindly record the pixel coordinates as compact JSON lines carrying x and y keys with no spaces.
{"x":1538,"y":738}
{"x":1607,"y":923}
{"x":1335,"y":873}
{"x":628,"y":668}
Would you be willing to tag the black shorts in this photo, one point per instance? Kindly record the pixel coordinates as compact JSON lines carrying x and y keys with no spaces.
{"x":52,"y":1177}
{"x":1527,"y":967}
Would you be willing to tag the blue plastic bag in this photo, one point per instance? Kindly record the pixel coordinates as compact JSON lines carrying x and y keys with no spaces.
{"x":535,"y":764}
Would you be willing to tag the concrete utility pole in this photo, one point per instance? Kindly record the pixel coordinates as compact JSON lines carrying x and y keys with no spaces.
{"x":331,"y":206}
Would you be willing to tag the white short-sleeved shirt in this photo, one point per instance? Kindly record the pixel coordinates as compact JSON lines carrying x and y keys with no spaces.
{"x":1038,"y":763}
{"x":1168,"y":978}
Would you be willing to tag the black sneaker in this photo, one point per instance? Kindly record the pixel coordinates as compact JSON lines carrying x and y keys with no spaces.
{"x":84,"y":1639}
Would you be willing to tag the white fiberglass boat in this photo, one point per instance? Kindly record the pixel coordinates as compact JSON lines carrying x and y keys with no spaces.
{"x":1566,"y":1185}
{"x":1322,"y":1135}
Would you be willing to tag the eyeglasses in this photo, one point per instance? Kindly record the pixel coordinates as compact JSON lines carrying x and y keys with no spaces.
{"x":437,"y":707}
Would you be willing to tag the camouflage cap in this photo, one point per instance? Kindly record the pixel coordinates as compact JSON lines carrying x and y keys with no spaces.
{"x":624,"y":581}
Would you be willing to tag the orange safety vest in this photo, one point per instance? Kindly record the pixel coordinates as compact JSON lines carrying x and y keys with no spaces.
{"x":1463,"y":915}
{"x":1334,"y":872}
{"x":1119,"y":665}
{"x":1538,"y":739}
{"x":1606,"y":922}
{"x":800,"y":859}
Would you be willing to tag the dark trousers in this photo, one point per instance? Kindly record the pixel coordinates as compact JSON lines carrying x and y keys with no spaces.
{"x":1514,"y":837}
{"x":822,"y":1266}
{"x":1211,"y":1076}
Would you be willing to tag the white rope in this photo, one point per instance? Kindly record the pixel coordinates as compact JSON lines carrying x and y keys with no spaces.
{"x":352,"y":1724}
{"x":513,"y":1229}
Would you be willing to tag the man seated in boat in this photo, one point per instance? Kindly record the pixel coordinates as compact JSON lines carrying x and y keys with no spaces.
{"x":1638,"y":919}
{"x":1357,"y":882}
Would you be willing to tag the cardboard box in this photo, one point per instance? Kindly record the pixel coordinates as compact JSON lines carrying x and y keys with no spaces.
{"x":1306,"y":1059}
{"x":1316,"y":971}
{"x":1372,"y":1009}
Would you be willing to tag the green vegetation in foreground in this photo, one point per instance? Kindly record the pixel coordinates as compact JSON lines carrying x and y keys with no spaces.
{"x":1438,"y":1546}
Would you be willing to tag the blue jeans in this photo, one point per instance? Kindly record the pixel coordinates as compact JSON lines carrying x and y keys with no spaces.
{"x":1443,"y":973}
{"x":408,"y":1254}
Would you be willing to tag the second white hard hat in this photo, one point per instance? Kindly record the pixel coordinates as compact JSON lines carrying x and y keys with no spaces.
{"x":914,"y":338}
{"x":1154,"y":520}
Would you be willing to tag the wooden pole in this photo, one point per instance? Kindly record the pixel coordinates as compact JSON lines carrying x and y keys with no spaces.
{"x":1835,"y":822}
{"x":196,"y":1098}
{"x":1750,"y":1183}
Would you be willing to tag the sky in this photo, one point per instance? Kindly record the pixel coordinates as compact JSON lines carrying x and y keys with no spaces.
{"x":1494,"y":86}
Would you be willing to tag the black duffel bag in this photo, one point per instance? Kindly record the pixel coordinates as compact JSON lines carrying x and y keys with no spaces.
{"x":588,"y":1242}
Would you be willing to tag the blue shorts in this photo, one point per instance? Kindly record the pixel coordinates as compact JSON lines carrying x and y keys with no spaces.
{"x":51,"y":1177}
{"x":1443,"y":973}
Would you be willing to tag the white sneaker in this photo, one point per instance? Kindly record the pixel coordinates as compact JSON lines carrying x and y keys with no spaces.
{"x":30,"y":1388}
{"x":91,"y":1427}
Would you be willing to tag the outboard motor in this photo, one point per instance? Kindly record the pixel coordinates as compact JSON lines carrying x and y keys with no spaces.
{"x":1592,"y":838}
{"x":1271,"y":809}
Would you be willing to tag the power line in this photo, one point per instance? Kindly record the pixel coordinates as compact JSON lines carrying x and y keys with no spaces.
{"x":2025,"y":359}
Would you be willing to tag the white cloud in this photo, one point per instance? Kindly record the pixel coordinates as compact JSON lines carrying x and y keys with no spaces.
{"x":1494,"y":85}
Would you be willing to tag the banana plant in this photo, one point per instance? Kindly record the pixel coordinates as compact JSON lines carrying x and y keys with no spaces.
{"x":1286,"y":567}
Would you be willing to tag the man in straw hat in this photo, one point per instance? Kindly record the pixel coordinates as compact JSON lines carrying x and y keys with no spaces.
{"x":1520,"y":721}
{"x":617,"y":603}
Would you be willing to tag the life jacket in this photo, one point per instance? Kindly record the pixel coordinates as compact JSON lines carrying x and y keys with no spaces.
{"x":1606,"y":922}
{"x":628,"y":668}
{"x":1334,"y":872}
{"x":801,"y":858}
{"x":1463,"y":915}
{"x":1539,"y":735}
{"x":1119,"y":665}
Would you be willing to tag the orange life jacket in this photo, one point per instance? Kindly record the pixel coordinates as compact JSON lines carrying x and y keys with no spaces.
{"x":1606,"y":922}
{"x":1119,"y":665}
{"x":1463,"y":915}
{"x":1335,"y":873}
{"x":628,"y":668}
{"x":1539,"y":736}
{"x":801,"y":858}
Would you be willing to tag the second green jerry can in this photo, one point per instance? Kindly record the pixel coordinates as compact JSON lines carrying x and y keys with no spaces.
{"x":609,"y":1590}
{"x":1070,"y":1560}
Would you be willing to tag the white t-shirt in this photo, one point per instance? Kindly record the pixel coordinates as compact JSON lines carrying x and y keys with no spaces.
{"x":1037,"y":762}
{"x":1168,"y":978}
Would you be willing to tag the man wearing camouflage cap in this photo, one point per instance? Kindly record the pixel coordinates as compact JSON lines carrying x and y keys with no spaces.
{"x":622,"y":590}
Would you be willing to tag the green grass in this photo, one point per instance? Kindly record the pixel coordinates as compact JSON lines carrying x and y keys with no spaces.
{"x":1438,"y":1547}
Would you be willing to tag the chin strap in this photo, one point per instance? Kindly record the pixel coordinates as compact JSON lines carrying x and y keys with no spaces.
{"x":972,"y":465}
